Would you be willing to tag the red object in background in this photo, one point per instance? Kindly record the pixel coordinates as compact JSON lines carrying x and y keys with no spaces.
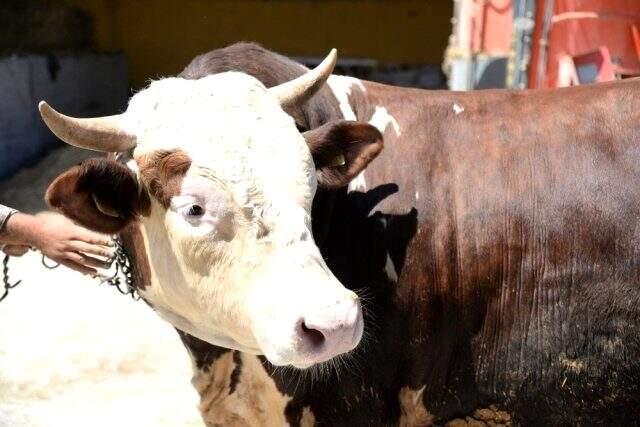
{"x":595,"y":67}
{"x":581,"y":27}
{"x":636,"y":40}
{"x":584,"y":69}
{"x":483,"y":27}
{"x":491,"y":27}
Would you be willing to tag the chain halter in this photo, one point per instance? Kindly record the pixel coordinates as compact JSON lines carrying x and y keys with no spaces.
{"x":122,"y":279}
{"x":123,"y":273}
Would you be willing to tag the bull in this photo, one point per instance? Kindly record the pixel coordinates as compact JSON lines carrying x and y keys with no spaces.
{"x":492,"y":242}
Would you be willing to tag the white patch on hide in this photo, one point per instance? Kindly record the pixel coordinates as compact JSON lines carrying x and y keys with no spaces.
{"x":381,"y":119}
{"x":308,"y":419}
{"x":458,"y":109}
{"x":341,"y":87}
{"x":413,"y":412}
{"x":256,"y":400}
{"x":390,"y":269}
{"x":359,"y":183}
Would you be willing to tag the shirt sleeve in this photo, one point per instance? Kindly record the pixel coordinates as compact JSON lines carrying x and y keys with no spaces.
{"x":5,"y":213}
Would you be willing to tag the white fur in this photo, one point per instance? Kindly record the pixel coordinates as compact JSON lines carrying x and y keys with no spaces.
{"x":458,"y":109}
{"x":381,"y":119}
{"x":256,"y":400}
{"x":341,"y":88}
{"x":359,"y":183}
{"x":244,"y":274}
{"x":390,"y":269}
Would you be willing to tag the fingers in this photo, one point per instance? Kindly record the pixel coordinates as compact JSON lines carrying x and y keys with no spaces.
{"x":93,"y":238}
{"x":85,"y":260}
{"x":91,"y":249}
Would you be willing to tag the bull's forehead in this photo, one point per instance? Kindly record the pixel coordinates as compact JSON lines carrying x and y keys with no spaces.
{"x":230,"y":125}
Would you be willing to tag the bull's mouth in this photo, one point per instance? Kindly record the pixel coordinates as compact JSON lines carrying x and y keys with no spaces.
{"x":315,"y":338}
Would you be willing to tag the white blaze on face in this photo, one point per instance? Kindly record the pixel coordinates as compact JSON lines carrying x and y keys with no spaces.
{"x":229,"y":123}
{"x":232,"y":256}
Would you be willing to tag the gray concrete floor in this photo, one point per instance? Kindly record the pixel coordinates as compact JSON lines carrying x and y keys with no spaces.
{"x":74,"y":353}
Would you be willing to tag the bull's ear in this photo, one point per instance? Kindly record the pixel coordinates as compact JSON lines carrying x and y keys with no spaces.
{"x":100,"y":194}
{"x":341,"y":150}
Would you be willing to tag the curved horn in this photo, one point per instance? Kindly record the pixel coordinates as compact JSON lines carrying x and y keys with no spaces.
{"x":98,"y":134}
{"x":304,"y":87}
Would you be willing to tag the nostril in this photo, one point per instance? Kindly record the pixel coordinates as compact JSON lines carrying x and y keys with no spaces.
{"x":313,"y":336}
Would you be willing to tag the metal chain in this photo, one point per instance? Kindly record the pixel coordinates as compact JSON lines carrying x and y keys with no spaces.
{"x":123,"y":275}
{"x":122,"y":279}
{"x":5,"y":278}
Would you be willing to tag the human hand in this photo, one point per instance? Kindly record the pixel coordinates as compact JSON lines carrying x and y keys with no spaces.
{"x":61,"y":240}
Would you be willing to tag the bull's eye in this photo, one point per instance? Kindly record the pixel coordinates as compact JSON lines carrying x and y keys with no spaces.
{"x":195,"y":211}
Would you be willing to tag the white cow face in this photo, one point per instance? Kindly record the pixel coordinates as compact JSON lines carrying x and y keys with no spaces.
{"x":229,"y":240}
{"x":221,"y":186}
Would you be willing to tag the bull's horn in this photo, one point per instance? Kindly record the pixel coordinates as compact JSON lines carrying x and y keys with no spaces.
{"x":304,"y":87}
{"x":98,"y":134}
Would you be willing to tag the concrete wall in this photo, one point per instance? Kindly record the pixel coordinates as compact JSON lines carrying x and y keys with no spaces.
{"x":80,"y":84}
{"x":160,"y":37}
{"x":29,"y":26}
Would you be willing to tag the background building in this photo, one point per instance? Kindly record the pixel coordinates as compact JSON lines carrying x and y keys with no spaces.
{"x":85,"y":56}
{"x":541,"y":44}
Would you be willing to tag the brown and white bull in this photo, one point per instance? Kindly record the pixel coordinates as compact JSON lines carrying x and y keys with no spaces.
{"x":493,"y":242}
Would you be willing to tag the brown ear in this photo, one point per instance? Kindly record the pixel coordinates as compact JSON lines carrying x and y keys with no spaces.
{"x":341,"y":150}
{"x":100,"y":194}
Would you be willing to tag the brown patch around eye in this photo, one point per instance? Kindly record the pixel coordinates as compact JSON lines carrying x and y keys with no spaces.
{"x":163,"y":172}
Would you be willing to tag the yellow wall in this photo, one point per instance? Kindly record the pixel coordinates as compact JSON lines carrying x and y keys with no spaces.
{"x":161,"y":36}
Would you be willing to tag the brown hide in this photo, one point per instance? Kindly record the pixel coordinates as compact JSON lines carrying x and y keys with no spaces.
{"x":527,"y":206}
